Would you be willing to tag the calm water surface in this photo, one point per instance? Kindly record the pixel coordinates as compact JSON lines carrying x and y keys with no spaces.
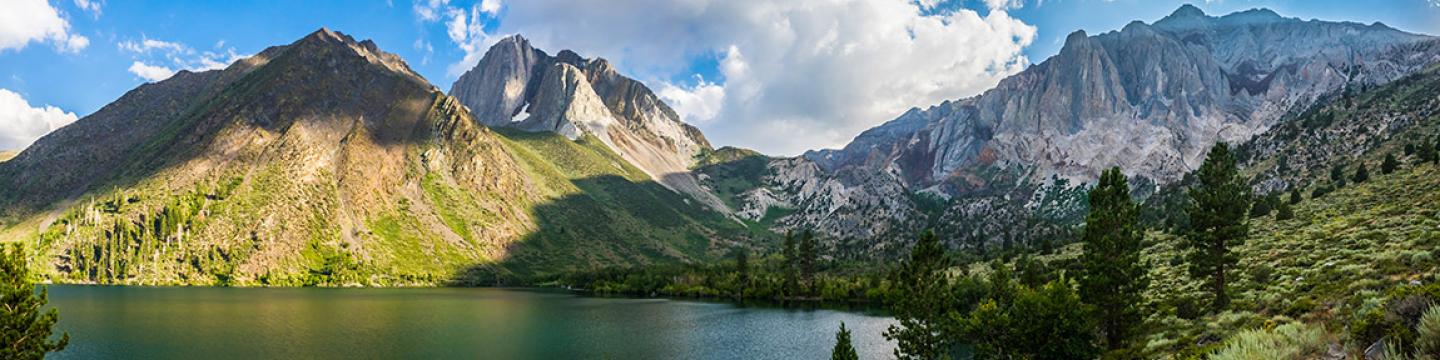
{"x":221,"y":323}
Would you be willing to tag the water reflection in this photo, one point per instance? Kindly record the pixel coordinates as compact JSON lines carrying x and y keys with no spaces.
{"x":220,"y":323}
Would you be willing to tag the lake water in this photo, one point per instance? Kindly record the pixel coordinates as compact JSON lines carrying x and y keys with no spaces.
{"x":227,"y":323}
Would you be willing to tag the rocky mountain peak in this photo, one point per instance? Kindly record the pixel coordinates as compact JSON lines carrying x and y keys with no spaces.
{"x":328,"y":43}
{"x":1185,"y":11}
{"x":516,"y":85}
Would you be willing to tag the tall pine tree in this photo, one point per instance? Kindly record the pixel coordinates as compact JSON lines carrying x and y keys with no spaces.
{"x":809,"y":254}
{"x":791,"y":284}
{"x":1217,"y":221}
{"x":25,"y":326}
{"x":1389,"y":165}
{"x":921,"y":301}
{"x":1114,"y":275}
{"x":742,"y":271}
{"x":843,"y":349}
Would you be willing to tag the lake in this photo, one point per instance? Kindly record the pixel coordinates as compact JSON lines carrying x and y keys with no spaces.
{"x":478,"y":323}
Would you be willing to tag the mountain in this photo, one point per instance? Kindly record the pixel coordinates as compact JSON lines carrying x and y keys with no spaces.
{"x":328,"y":161}
{"x":518,"y":86}
{"x":1150,"y":98}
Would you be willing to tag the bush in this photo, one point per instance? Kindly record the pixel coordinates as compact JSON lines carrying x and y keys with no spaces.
{"x":1427,"y":333}
{"x":1289,"y":341}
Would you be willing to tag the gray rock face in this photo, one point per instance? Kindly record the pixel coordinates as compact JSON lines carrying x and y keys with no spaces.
{"x":1150,"y":98}
{"x":516,"y":85}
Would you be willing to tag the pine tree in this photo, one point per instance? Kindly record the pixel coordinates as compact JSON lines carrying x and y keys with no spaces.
{"x":1217,"y":221}
{"x":742,"y":271}
{"x":1361,"y":175}
{"x":25,"y":328}
{"x":791,"y":284}
{"x":1409,"y":149}
{"x":1295,"y":196}
{"x":1113,"y":274}
{"x":1389,"y":165}
{"x":843,"y":349}
{"x":1284,"y":212}
{"x":808,"y":254}
{"x":921,"y":302}
{"x":1435,"y":150}
{"x":1337,"y":173}
{"x":1425,"y":152}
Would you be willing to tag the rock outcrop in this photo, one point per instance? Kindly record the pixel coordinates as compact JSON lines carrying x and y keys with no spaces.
{"x":516,"y":85}
{"x":1150,"y":98}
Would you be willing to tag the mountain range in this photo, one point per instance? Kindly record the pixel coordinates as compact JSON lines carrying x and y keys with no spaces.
{"x":328,"y":161}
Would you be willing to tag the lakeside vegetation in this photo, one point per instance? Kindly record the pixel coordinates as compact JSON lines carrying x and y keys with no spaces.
{"x":25,"y":325}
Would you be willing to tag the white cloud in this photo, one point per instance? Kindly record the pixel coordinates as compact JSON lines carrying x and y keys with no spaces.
{"x":90,"y":6}
{"x":467,"y":30}
{"x":696,"y":104}
{"x":491,"y":7}
{"x":796,"y":75}
{"x":156,"y":60}
{"x":25,"y":21}
{"x":1004,"y":4}
{"x":425,"y":48}
{"x":430,"y":10}
{"x":21,"y":124}
{"x":150,"y":73}
{"x":146,"y":45}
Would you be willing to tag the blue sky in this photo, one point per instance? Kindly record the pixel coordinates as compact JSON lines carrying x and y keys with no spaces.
{"x":805,"y":73}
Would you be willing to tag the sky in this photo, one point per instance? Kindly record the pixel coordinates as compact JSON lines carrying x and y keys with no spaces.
{"x":781,"y":77}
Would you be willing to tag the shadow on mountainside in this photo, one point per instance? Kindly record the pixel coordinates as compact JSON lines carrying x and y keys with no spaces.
{"x":613,"y":221}
{"x":316,"y":84}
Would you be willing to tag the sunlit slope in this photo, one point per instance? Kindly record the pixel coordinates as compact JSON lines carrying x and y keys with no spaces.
{"x":327,"y":162}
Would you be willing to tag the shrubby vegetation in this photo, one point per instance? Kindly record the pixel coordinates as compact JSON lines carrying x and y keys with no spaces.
{"x":795,"y":274}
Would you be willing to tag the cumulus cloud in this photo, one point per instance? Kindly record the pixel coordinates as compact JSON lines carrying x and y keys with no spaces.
{"x":156,"y":60}
{"x":794,"y":75}
{"x":696,"y":104}
{"x":26,"y":21}
{"x":1004,"y":4}
{"x":149,"y":72}
{"x":490,"y":6}
{"x":146,"y":45}
{"x":90,"y":6}
{"x":465,"y":26}
{"x":21,"y":124}
{"x":430,"y":10}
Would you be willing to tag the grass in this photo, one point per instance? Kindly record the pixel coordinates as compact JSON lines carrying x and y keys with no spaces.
{"x":1293,"y":341}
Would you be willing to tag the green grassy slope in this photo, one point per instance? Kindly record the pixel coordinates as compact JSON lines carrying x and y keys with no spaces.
{"x":322,"y":167}
{"x":1339,"y":252}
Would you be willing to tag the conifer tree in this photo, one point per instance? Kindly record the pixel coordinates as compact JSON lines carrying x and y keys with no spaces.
{"x":1361,"y":174}
{"x":843,"y":349}
{"x":1217,"y":221}
{"x":1426,"y":152}
{"x":1435,"y":150}
{"x":1113,"y":274}
{"x":808,"y":254}
{"x":742,"y":271}
{"x":921,"y":302}
{"x":1295,"y":195}
{"x":1389,"y":165}
{"x":25,"y":327}
{"x":1285,"y":212}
